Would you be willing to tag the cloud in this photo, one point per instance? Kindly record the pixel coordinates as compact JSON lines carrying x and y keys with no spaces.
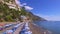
{"x":17,"y":2}
{"x":50,"y":17}
{"x":23,"y":4}
{"x":28,"y":8}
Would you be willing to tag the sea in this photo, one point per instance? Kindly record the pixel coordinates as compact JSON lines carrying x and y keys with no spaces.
{"x":53,"y":26}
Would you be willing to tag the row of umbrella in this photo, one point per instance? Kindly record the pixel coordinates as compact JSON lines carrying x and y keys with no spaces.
{"x":5,"y":26}
{"x":11,"y":31}
{"x":26,"y":29}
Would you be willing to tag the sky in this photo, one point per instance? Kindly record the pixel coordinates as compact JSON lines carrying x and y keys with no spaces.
{"x":47,"y":9}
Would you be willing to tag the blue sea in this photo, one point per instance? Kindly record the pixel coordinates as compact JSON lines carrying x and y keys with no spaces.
{"x":53,"y":26}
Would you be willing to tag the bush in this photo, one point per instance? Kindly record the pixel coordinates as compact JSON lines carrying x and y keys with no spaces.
{"x":9,"y":18}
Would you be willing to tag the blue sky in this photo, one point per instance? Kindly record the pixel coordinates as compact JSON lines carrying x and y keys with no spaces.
{"x":48,"y":9}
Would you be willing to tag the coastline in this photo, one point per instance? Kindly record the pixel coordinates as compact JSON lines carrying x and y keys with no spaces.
{"x":38,"y":30}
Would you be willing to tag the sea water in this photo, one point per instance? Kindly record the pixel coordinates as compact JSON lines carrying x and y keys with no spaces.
{"x":53,"y":26}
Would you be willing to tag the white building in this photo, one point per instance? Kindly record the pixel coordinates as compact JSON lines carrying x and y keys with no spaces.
{"x":13,"y":4}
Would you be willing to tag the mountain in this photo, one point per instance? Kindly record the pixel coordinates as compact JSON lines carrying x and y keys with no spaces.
{"x":35,"y":18}
{"x":32,"y":16}
{"x":10,"y":11}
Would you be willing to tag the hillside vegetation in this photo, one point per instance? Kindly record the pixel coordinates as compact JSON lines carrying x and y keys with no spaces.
{"x":11,"y":15}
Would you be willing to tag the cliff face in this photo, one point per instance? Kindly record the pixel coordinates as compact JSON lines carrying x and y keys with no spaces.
{"x":10,"y":10}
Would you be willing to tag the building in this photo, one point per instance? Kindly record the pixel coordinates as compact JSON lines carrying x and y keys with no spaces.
{"x":12,"y":4}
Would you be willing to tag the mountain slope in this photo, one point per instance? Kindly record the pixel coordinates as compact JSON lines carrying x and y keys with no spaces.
{"x":10,"y":11}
